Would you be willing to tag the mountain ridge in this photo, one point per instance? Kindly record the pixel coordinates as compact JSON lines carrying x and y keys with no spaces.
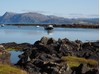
{"x":37,"y":18}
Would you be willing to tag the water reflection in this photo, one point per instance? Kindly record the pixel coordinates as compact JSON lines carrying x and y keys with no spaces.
{"x":49,"y":32}
{"x":19,"y":26}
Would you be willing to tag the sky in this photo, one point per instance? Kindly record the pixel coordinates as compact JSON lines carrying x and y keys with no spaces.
{"x":63,"y":8}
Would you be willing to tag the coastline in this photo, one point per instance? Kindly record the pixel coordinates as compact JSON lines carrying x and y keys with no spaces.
{"x":48,"y":55}
{"x":20,"y":46}
{"x":90,"y":26}
{"x":55,"y":55}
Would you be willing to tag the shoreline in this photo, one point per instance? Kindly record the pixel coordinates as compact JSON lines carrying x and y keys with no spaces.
{"x":88,"y":26}
{"x":48,"y":56}
{"x":61,"y":56}
{"x":19,"y":46}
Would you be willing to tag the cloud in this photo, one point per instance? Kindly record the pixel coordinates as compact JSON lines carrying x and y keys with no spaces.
{"x":72,"y":15}
{"x":83,"y":15}
{"x":42,"y":12}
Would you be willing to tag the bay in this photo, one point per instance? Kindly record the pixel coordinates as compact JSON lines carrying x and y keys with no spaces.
{"x":30,"y":34}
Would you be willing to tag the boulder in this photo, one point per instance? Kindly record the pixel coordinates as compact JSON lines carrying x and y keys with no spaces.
{"x":44,"y":40}
{"x":51,"y":41}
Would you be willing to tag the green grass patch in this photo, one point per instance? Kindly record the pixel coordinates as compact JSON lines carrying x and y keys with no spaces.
{"x":76,"y":61}
{"x":7,"y":69}
{"x":11,"y":48}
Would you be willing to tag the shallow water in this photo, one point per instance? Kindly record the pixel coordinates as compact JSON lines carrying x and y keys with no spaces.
{"x":30,"y":34}
{"x":14,"y":56}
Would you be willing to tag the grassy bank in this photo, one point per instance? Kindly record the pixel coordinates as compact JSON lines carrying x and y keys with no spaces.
{"x":11,"y":48}
{"x":76,"y":61}
{"x":7,"y":69}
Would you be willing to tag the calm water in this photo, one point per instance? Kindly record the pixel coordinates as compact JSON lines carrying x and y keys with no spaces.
{"x":31,"y":34}
{"x":14,"y":56}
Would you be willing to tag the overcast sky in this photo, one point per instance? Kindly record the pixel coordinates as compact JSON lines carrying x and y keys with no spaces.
{"x":64,"y":8}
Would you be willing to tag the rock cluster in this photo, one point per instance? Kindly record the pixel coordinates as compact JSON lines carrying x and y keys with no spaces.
{"x":44,"y":57}
{"x":4,"y":56}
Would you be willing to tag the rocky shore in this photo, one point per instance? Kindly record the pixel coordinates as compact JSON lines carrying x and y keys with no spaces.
{"x":48,"y":56}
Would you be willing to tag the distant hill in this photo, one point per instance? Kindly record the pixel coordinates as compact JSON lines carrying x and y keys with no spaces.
{"x":37,"y":18}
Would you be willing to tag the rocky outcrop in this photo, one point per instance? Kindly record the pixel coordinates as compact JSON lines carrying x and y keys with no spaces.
{"x":44,"y":57}
{"x":4,"y":55}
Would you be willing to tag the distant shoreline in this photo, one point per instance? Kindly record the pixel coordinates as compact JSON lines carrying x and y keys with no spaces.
{"x":93,"y":26}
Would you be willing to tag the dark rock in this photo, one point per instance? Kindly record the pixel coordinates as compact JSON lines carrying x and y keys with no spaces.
{"x":77,"y":70}
{"x":37,"y":43}
{"x":93,"y":71}
{"x":45,"y":56}
{"x":51,"y":41}
{"x":38,"y":63}
{"x":63,"y":41}
{"x":86,"y":55}
{"x":78,"y":41}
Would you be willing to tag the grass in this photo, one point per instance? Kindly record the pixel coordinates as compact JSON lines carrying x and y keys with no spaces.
{"x":7,"y":69}
{"x":76,"y":61}
{"x":11,"y":48}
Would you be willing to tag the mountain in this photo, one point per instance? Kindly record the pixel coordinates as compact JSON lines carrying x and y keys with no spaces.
{"x":37,"y":18}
